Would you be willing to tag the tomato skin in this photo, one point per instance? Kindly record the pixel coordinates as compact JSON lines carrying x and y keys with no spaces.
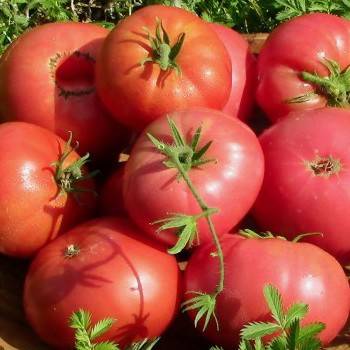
{"x":135,"y":94}
{"x":32,"y":210}
{"x":293,"y":199}
{"x":152,"y":191}
{"x":116,"y":274}
{"x":41,"y":61}
{"x":244,"y":72}
{"x":111,"y":201}
{"x":301,"y":271}
{"x":296,"y":46}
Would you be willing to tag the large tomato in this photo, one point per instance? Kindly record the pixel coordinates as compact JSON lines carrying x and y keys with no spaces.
{"x":306,"y":184}
{"x":47,"y":78}
{"x":153,"y":191}
{"x":301,"y":271}
{"x":295,"y":58}
{"x":140,"y":78}
{"x":103,"y":267}
{"x":35,"y":203}
{"x":244,"y":77}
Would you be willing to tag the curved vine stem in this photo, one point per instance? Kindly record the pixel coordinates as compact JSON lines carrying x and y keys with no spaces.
{"x":183,"y":157}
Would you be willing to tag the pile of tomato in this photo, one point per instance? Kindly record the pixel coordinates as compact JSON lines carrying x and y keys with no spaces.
{"x":73,"y":96}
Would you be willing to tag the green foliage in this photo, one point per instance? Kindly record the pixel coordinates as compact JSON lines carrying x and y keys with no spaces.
{"x":86,"y":334}
{"x":247,"y":16}
{"x":289,"y":334}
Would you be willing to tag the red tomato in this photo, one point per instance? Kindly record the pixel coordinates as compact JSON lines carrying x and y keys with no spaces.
{"x":231,"y":183}
{"x":306,"y":182}
{"x":33,"y":209}
{"x":111,"y":195}
{"x":303,"y":45}
{"x":102,"y":266}
{"x":47,"y":78}
{"x":302,"y":272}
{"x":244,"y":76}
{"x":137,"y":93}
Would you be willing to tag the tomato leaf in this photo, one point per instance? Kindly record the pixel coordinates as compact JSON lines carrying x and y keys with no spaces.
{"x":293,"y":334}
{"x":85,"y":333}
{"x":106,"y":346}
{"x":274,"y":301}
{"x":279,"y":343}
{"x":296,"y":311}
{"x":101,"y":327}
{"x":146,"y":344}
{"x":80,"y":319}
{"x":311,"y":330}
{"x":257,"y":330}
{"x":186,"y":230}
{"x":205,"y":304}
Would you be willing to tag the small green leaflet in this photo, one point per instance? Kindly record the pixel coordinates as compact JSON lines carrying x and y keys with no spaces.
{"x":205,"y":306}
{"x":186,"y":226}
{"x":290,"y":334}
{"x":85,"y":334}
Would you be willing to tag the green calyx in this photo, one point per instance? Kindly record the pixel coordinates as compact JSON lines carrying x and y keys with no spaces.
{"x":335,"y":87}
{"x":68,"y":177}
{"x":190,"y":155}
{"x":162,"y":52}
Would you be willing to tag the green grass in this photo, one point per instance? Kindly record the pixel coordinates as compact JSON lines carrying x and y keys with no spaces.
{"x":247,"y":16}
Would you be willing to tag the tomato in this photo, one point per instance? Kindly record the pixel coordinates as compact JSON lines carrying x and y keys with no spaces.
{"x":47,"y":78}
{"x":301,"y":271}
{"x":296,"y":50}
{"x":244,"y":77}
{"x":138,"y":83}
{"x":306,"y":182}
{"x":102,"y":266}
{"x":152,"y":191}
{"x":111,"y":194}
{"x":34,"y":206}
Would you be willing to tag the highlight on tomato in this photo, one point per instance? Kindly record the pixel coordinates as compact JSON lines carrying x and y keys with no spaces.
{"x":158,"y":60}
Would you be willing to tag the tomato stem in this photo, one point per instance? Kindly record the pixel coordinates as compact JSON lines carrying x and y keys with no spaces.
{"x":174,"y":157}
{"x":335,"y":87}
{"x":162,"y":52}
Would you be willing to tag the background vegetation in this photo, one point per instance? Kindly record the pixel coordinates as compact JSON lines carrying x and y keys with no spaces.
{"x":246,"y":16}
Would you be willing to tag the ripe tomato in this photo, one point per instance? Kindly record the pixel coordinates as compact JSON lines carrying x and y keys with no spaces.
{"x":306,"y":182}
{"x":294,"y":51}
{"x":104,"y":267}
{"x":34,"y":207}
{"x":139,"y":83}
{"x":47,"y":78}
{"x":244,"y":75}
{"x":111,"y":194}
{"x":152,"y":191}
{"x":301,"y":271}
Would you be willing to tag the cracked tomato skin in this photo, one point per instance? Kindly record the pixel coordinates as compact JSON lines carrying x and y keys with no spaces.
{"x":296,"y":46}
{"x":302,"y":272}
{"x":152,"y":191}
{"x":294,"y":199}
{"x":47,"y":78}
{"x":116,"y":273}
{"x":244,"y":72}
{"x":136,"y":94}
{"x":32,"y":209}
